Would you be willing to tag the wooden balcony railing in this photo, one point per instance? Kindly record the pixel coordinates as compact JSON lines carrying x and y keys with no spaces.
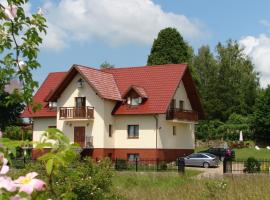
{"x":76,"y":113}
{"x":179,"y":114}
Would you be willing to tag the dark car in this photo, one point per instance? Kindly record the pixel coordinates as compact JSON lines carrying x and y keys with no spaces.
{"x":221,"y":152}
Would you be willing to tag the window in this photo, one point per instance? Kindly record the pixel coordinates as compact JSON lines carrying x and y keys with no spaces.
{"x":181,"y":105}
{"x":133,"y":156}
{"x":172,"y":104}
{"x":133,"y":131}
{"x":134,"y":101}
{"x":52,"y":104}
{"x":51,"y":126}
{"x":110,"y":130}
{"x":174,"y":130}
{"x":79,"y":102}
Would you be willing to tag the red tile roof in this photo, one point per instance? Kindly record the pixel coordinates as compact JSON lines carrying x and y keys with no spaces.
{"x":45,"y":89}
{"x":103,"y":82}
{"x":157,"y":83}
{"x":160,"y":82}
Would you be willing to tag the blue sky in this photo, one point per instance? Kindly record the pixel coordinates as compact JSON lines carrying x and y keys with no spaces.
{"x":89,"y":32}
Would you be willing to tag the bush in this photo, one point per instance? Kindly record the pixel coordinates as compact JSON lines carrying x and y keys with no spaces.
{"x":121,"y":164}
{"x":252,"y":165}
{"x":17,"y":133}
{"x":162,"y":166}
{"x":81,"y":179}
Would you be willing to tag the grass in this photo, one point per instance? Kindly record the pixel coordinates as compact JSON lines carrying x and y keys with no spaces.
{"x":171,"y":186}
{"x":243,"y":154}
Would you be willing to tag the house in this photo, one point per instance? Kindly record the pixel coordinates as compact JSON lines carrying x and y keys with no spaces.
{"x":144,"y":112}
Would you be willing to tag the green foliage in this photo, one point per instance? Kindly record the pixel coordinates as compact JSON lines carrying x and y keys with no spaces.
{"x":208,"y":129}
{"x":61,"y":151}
{"x":163,"y":166}
{"x":169,"y":48}
{"x":9,"y":147}
{"x":106,"y":65}
{"x":9,"y":111}
{"x":252,"y":165}
{"x":121,"y":164}
{"x":230,"y":130}
{"x":17,"y":133}
{"x":80,"y":179}
{"x":19,"y":41}
{"x":227,"y":83}
{"x":261,"y":115}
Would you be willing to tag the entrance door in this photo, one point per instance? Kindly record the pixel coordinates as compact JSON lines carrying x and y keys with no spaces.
{"x":79,"y":135}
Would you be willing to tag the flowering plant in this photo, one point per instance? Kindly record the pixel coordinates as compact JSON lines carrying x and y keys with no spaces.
{"x":21,"y":188}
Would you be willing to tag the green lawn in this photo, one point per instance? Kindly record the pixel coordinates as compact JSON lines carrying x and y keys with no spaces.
{"x":243,"y":154}
{"x":171,"y":186}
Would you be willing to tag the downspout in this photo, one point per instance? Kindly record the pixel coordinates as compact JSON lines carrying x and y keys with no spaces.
{"x":156,"y":119}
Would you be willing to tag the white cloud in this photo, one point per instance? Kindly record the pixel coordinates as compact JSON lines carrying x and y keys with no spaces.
{"x":115,"y":22}
{"x":258,"y":49}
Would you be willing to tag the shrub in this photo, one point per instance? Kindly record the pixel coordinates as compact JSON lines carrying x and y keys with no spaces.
{"x":252,"y":165}
{"x":17,"y":133}
{"x":121,"y":164}
{"x":162,"y":166}
{"x":81,"y":179}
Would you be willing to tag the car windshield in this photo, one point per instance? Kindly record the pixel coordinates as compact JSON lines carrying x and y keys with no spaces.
{"x":210,"y":155}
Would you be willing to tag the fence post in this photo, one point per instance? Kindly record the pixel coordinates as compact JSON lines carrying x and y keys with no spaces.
{"x":224,"y":165}
{"x":136,"y":164}
{"x":180,"y":165}
{"x":115,"y":165}
{"x":157,"y":163}
{"x":227,"y":165}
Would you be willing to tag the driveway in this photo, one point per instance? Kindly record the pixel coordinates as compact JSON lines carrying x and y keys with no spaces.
{"x":209,"y":172}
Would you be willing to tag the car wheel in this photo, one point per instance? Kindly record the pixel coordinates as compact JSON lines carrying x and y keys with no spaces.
{"x":206,"y":165}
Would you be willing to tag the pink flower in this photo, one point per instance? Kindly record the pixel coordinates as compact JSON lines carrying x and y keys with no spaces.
{"x":29,"y":183}
{"x":13,"y":85}
{"x":11,"y":12}
{"x":7,"y":183}
{"x":4,"y":169}
{"x":17,"y":197}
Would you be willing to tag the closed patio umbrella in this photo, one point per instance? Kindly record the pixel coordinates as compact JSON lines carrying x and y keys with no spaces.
{"x":241,"y":136}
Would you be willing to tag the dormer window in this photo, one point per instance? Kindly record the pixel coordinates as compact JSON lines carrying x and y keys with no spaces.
{"x":80,"y":83}
{"x":134,"y":101}
{"x":52,"y":104}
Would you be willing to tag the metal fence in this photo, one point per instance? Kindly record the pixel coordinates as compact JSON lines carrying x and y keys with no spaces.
{"x":149,"y":165}
{"x":246,"y":167}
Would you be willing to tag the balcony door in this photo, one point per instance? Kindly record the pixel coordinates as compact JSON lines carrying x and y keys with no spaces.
{"x":80,"y":103}
{"x":79,"y":135}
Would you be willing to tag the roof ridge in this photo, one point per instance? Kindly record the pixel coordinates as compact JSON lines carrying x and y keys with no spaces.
{"x":57,"y":72}
{"x":145,"y":66}
{"x":100,"y":70}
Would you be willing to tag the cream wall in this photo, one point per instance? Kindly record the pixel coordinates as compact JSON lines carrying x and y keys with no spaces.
{"x":40,"y":125}
{"x":180,"y":94}
{"x":94,"y":127}
{"x":109,"y":119}
{"x":147,"y":131}
{"x":184,"y":138}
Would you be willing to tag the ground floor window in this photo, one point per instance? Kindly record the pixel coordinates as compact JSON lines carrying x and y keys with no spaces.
{"x":51,"y":126}
{"x":133,"y":131}
{"x":133,"y":156}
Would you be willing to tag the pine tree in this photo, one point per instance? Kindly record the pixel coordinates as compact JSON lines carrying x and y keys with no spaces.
{"x":169,"y":48}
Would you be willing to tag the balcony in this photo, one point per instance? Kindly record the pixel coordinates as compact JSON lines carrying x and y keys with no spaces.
{"x":182,"y":115}
{"x":74,"y":113}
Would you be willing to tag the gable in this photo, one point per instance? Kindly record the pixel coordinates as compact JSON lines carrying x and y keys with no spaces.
{"x":181,"y":95}
{"x":103,"y":83}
